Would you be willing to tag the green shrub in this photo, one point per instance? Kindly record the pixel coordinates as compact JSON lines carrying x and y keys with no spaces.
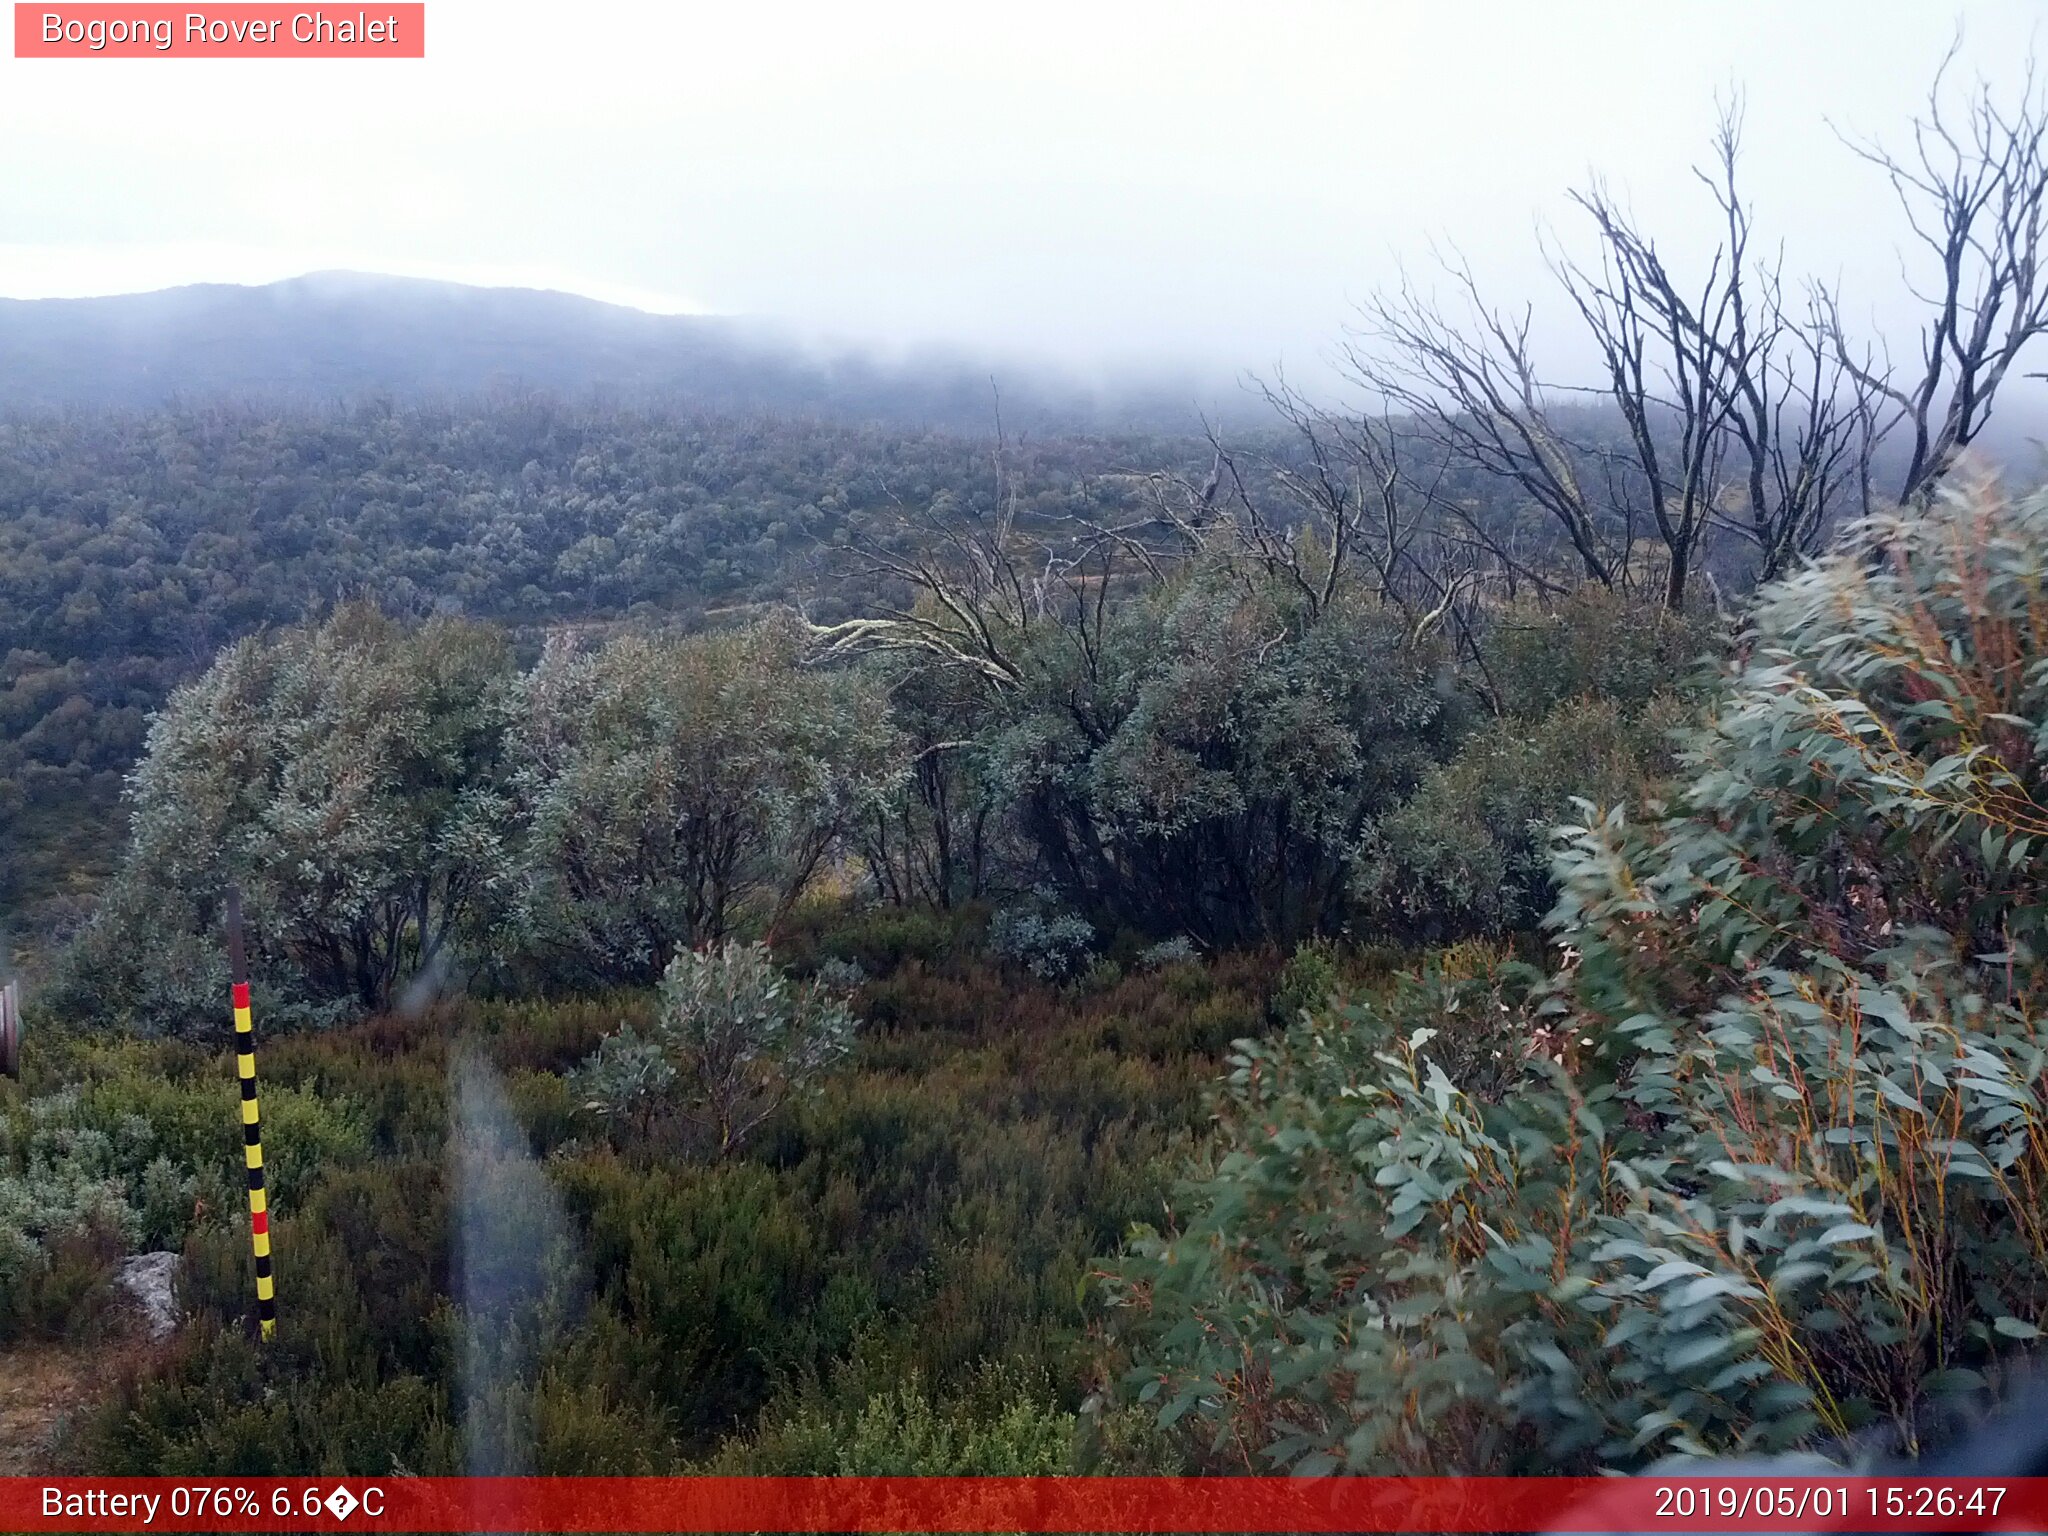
{"x":1002,"y":1427}
{"x":1202,"y":764}
{"x":673,"y":789}
{"x":1052,"y":945}
{"x":61,"y":1287}
{"x":1770,"y":1167}
{"x":1595,"y":643}
{"x":1589,"y":693}
{"x":1102,"y":974}
{"x":1307,"y":980}
{"x":931,"y":1217}
{"x":388,"y":1075}
{"x":881,"y":940}
{"x":627,"y":1079}
{"x":357,"y":1379}
{"x":1470,"y":852}
{"x":345,"y":775}
{"x":1178,"y":950}
{"x":551,"y":1035}
{"x":714,"y":1271}
{"x":733,"y":1038}
{"x":546,"y":1108}
{"x":121,"y":1162}
{"x":580,"y":1430}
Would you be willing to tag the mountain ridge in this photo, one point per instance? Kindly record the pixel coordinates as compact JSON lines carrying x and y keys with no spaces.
{"x":342,"y":335}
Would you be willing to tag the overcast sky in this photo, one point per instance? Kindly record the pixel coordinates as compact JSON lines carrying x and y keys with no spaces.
{"x":1102,"y":182}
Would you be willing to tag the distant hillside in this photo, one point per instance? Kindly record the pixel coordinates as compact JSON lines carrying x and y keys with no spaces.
{"x":345,"y":336}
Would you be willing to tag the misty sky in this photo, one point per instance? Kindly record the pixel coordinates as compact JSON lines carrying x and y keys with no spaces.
{"x":1215,"y":184}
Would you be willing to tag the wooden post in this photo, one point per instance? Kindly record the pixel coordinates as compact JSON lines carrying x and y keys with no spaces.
{"x":252,"y":1125}
{"x":10,"y":1029}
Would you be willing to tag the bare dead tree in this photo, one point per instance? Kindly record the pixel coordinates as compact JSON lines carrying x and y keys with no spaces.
{"x":1971,"y":187}
{"x":1369,"y":495}
{"x":1345,"y":506}
{"x":1807,"y":429}
{"x":976,"y":588}
{"x":976,"y":583}
{"x":1748,"y":403}
{"x":1470,"y":385}
{"x":1671,"y":356}
{"x":967,"y":611}
{"x":1733,"y":412}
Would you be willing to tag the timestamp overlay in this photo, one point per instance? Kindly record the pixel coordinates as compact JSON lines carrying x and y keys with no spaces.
{"x":1677,"y":1502}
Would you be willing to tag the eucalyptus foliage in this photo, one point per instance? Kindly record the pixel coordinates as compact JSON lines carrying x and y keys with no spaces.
{"x":1589,"y":691}
{"x":734,"y":1037}
{"x":1052,"y":945}
{"x":347,"y":777}
{"x":399,"y":806}
{"x":628,"y":1077}
{"x":1758,"y":1165}
{"x":1206,"y":763}
{"x":671,"y":788}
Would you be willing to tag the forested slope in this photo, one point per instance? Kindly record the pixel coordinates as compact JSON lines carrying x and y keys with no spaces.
{"x":133,"y":546}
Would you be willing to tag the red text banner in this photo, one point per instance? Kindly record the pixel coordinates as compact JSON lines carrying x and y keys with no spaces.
{"x":1056,"y":1504}
{"x":225,"y":31}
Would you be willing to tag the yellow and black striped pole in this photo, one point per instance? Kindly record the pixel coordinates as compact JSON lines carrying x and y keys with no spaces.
{"x":252,"y":1125}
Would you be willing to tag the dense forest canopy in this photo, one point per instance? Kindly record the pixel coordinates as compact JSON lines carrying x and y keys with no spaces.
{"x":136,"y":545}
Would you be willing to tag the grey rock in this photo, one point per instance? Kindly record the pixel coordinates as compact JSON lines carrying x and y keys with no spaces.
{"x":150,"y":1278}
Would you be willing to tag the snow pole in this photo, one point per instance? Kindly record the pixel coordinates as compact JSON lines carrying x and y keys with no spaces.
{"x":252,"y":1125}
